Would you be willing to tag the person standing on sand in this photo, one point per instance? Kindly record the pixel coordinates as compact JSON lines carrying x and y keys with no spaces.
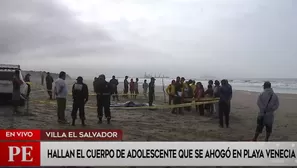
{"x":42,"y":78}
{"x":27,"y":80}
{"x":80,"y":95}
{"x":230,"y":88}
{"x":209,"y":94}
{"x":178,"y":89}
{"x":16,"y":91}
{"x":224,"y":103}
{"x":126,"y":87}
{"x":132,"y":89}
{"x":216,"y":94}
{"x":136,"y":91}
{"x":61,"y":93}
{"x":268,"y":103}
{"x":114,"y":85}
{"x":170,"y":91}
{"x":210,"y":106}
{"x":103,"y":91}
{"x":144,"y":87}
{"x":199,"y":94}
{"x":49,"y":85}
{"x":151,"y":91}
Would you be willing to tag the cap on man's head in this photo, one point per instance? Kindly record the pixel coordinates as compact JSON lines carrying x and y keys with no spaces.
{"x":267,"y":84}
{"x":79,"y":78}
{"x":152,"y":78}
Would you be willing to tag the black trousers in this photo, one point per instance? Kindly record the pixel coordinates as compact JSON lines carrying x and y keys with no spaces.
{"x":171,"y":98}
{"x":61,"y":103}
{"x":115,"y":94}
{"x":151,"y":98}
{"x":78,"y":106}
{"x":200,"y":108}
{"x":103,"y":102}
{"x":49,"y":90}
{"x":177,"y":100}
{"x":224,"y":112}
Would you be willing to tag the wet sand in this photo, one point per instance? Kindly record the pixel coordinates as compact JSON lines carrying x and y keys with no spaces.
{"x":161,"y":125}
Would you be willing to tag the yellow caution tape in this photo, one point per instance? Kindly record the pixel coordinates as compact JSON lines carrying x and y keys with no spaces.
{"x":122,"y":94}
{"x":151,"y":107}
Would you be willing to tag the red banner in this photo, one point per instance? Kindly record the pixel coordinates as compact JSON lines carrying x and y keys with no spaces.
{"x":20,"y":154}
{"x":17,"y":134}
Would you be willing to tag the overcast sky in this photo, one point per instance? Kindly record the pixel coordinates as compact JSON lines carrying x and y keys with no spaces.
{"x":192,"y":38}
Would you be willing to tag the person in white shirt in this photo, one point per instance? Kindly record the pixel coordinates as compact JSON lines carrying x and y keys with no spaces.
{"x":61,"y":92}
{"x":144,"y":87}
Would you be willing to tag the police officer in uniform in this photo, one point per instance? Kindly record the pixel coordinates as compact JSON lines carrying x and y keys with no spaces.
{"x":103,"y":90}
{"x":80,"y":95}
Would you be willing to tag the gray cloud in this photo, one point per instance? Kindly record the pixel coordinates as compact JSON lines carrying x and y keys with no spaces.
{"x":30,"y":26}
{"x":230,"y":38}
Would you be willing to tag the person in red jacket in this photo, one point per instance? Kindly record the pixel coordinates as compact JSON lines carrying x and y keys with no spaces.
{"x":132,"y":88}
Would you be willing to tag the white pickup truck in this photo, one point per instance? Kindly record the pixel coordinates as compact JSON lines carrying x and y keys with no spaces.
{"x":6,"y":87}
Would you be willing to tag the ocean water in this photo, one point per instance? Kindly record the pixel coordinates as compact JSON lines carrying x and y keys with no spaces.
{"x":254,"y":85}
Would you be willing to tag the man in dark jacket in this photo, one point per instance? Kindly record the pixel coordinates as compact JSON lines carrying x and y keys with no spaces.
{"x":151,"y":91}
{"x":224,"y":102}
{"x":114,"y":85}
{"x":80,"y":95}
{"x":49,"y":84}
{"x":268,"y":103}
{"x":103,"y":91}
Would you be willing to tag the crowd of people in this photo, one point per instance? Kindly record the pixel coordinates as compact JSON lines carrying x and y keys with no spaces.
{"x":179,"y":91}
{"x":182,"y":91}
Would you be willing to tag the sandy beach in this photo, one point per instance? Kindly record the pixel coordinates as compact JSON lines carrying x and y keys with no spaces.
{"x":161,"y":125}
